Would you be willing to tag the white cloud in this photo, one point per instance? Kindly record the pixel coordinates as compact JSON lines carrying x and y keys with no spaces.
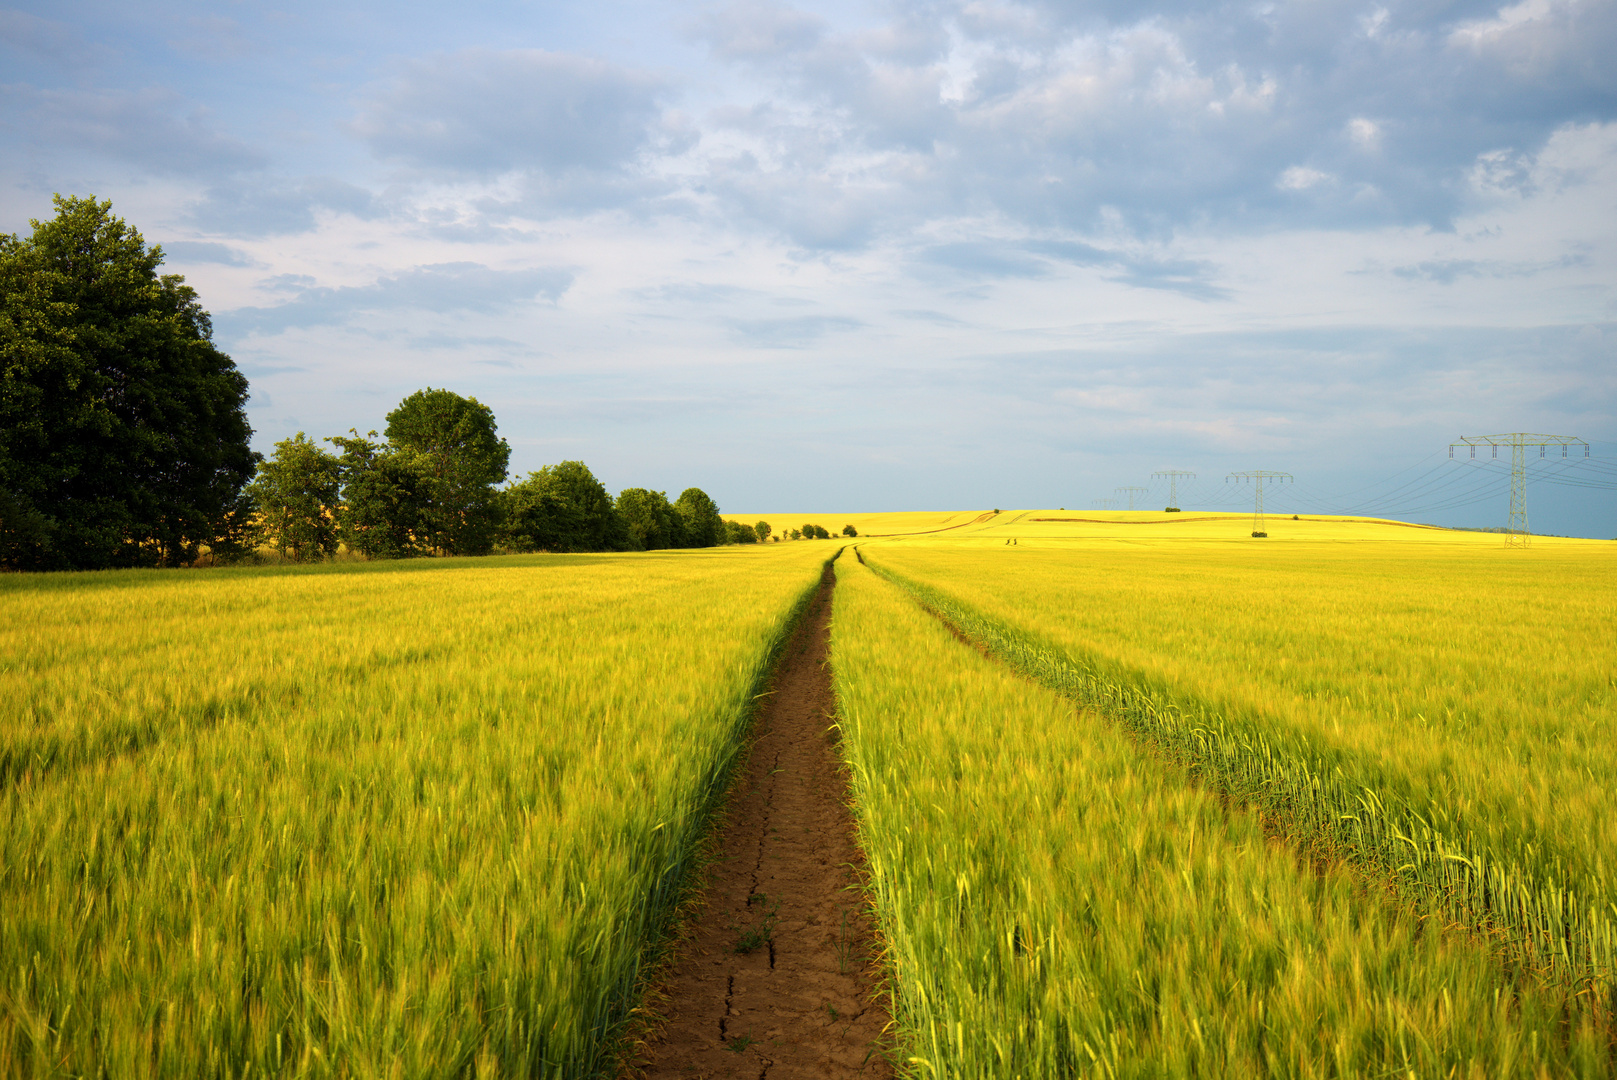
{"x":1301,"y":178}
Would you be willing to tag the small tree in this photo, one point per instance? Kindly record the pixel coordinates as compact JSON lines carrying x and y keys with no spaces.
{"x":849,"y":530}
{"x":650,"y":518}
{"x":762,"y":530}
{"x":700,"y":517}
{"x":737,"y":533}
{"x":564,"y":508}
{"x":384,"y":498}
{"x":455,"y":446}
{"x":297,"y":494}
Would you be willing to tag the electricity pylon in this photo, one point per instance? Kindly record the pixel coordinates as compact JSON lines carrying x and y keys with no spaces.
{"x":1130,"y":491}
{"x":1518,"y":441}
{"x":1258,"y":476}
{"x":1173,"y":476}
{"x":1105,"y":504}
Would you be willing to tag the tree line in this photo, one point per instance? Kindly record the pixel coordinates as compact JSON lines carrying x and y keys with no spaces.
{"x":124,"y":440}
{"x":429,"y":486}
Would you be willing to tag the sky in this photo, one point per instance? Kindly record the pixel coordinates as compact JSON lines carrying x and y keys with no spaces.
{"x":922,"y":254}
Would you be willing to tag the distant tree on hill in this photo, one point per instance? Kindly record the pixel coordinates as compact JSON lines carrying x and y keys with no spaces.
{"x":849,"y":530}
{"x":123,"y":429}
{"x":700,"y":517}
{"x":297,"y":494}
{"x":453,"y":445}
{"x":762,"y":530}
{"x":564,"y":508}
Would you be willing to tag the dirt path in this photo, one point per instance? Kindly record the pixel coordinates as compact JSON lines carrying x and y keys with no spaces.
{"x":776,"y":978}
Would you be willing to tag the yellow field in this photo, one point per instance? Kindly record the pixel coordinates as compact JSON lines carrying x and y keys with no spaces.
{"x":390,"y":819}
{"x":1467,"y":684}
{"x":924,"y":521}
{"x":1057,"y":901}
{"x":1071,"y":526}
{"x":426,"y":818}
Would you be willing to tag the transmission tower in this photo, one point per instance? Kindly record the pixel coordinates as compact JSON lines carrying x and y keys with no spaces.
{"x":1173,"y":476}
{"x":1258,"y":476}
{"x":1130,"y":492}
{"x":1518,"y":441}
{"x":1105,"y":504}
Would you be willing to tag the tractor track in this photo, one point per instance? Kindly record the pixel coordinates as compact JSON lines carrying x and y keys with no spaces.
{"x":777,"y":976}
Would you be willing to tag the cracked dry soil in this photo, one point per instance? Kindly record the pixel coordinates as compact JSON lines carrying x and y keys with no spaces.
{"x":777,"y":976}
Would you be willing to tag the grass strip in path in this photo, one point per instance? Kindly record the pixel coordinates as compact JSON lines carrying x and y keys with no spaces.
{"x":777,"y":975}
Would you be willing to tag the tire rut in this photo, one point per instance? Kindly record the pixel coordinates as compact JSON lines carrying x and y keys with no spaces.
{"x":777,"y":976}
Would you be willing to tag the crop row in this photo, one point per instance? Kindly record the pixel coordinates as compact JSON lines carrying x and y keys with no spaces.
{"x":1057,"y":902}
{"x":441,"y":846}
{"x":1557,"y":925}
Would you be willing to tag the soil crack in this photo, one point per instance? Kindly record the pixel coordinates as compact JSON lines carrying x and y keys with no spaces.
{"x":777,"y":949}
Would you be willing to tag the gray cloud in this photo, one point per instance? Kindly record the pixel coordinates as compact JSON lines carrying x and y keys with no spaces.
{"x":200,"y":251}
{"x":441,"y":288}
{"x":1076,"y":118}
{"x":278,"y":207}
{"x":790,"y":333}
{"x":44,"y":38}
{"x":1448,"y":271}
{"x":978,"y":259}
{"x":484,"y":111}
{"x":154,"y":129}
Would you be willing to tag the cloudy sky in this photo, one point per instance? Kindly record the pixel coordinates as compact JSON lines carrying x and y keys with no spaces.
{"x":906,"y":255}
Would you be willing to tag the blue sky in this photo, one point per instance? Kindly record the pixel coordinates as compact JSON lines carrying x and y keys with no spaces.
{"x":906,"y":255}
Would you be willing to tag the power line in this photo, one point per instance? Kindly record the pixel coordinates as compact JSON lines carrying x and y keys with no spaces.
{"x":1258,"y":476}
{"x":1131,"y":491}
{"x":1519,"y":441}
{"x":1173,"y":476}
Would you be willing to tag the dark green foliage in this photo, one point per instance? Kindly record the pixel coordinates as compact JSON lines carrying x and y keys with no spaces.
{"x":700,"y":516}
{"x":737,"y":533}
{"x":384,"y":495}
{"x":763,"y":530}
{"x":451,"y":444}
{"x":650,"y":518}
{"x":815,"y":532}
{"x":563,"y":508}
{"x":297,"y":496}
{"x":123,"y":430}
{"x":849,"y":530}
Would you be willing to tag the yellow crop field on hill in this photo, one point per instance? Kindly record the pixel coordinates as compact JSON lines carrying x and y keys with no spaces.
{"x":906,"y":522}
{"x":1454,"y":697}
{"x":1131,"y":527}
{"x":1058,"y":901}
{"x":389,"y":819}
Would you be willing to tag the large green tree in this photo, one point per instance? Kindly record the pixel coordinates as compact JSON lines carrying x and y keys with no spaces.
{"x":296,"y":493}
{"x":123,"y":429}
{"x":453,"y":444}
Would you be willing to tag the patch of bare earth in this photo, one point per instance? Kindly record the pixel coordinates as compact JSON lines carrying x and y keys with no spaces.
{"x":777,"y":977}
